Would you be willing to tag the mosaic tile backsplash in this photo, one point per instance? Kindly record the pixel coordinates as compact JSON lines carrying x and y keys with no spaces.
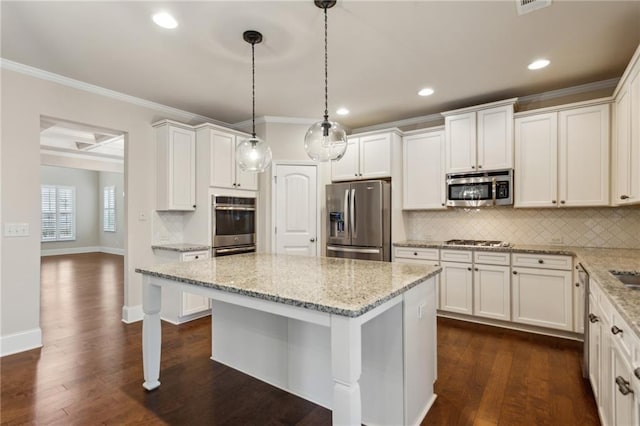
{"x":585,"y":227}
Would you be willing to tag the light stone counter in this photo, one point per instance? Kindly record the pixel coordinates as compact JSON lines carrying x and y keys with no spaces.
{"x":597,"y":261}
{"x":338,"y":286}
{"x":181,"y":247}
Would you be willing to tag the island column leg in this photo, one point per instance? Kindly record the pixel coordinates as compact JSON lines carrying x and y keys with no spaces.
{"x":346,"y":367}
{"x":151,"y":333}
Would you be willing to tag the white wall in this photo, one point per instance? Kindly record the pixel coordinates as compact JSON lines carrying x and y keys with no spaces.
{"x":24,"y":100}
{"x":87,"y":214}
{"x":111,"y":240}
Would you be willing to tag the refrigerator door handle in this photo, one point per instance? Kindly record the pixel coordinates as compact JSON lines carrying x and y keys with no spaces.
{"x":353,"y":250}
{"x":346,"y":210}
{"x":352,"y":214}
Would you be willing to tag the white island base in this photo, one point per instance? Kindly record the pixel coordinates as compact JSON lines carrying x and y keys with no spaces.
{"x":377,"y":368}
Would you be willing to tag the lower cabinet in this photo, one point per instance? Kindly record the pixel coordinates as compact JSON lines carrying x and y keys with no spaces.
{"x":623,"y":394}
{"x":419,"y":255}
{"x":178,"y":306}
{"x":491,"y":292}
{"x":456,"y":287}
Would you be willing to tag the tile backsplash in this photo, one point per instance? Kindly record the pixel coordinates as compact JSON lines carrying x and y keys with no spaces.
{"x":586,"y":227}
{"x":168,"y":227}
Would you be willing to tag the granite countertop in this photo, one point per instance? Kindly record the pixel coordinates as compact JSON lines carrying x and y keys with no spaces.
{"x":181,"y":247}
{"x":597,"y":261}
{"x":338,"y":286}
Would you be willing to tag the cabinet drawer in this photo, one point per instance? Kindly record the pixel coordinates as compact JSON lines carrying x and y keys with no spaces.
{"x":195,"y":255}
{"x":417,"y":253}
{"x":491,"y":258}
{"x":456,"y":256}
{"x":623,"y":334}
{"x":546,"y":261}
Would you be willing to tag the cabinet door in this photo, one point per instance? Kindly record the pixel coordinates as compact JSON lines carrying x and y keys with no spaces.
{"x":583,"y":156}
{"x":542,"y":297}
{"x":456,"y":284}
{"x":605,"y":402}
{"x":375,"y":156}
{"x":622,"y":396}
{"x":492,"y":292}
{"x":347,"y":167}
{"x":423,"y":171}
{"x":244,"y":180}
{"x":495,"y":138}
{"x":182,"y":169}
{"x":193,"y":303}
{"x":634,"y":139}
{"x":460,"y":135}
{"x":578,"y":305}
{"x":223,"y":167}
{"x":536,"y":150}
{"x":622,"y":148}
{"x":594,"y":348}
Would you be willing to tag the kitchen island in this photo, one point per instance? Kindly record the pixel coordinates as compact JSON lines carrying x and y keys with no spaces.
{"x":357,"y":337}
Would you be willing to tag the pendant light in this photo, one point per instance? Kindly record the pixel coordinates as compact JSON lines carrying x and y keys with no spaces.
{"x":253,"y":154}
{"x":325,"y":140}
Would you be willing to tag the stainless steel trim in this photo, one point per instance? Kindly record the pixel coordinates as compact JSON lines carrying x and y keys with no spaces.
{"x":235,"y":207}
{"x":353,"y":250}
{"x":583,"y":279}
{"x":227,"y":250}
{"x":346,"y":212}
{"x":352,"y":213}
{"x":493,"y":190}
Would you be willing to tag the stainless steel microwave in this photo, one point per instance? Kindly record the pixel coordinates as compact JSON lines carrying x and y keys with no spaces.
{"x":488,"y":188}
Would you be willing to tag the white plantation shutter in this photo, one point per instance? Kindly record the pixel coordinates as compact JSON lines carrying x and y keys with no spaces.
{"x":58,"y":206}
{"x":109,"y":209}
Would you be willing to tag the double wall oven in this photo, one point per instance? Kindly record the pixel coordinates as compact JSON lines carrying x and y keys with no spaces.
{"x":233,"y":225}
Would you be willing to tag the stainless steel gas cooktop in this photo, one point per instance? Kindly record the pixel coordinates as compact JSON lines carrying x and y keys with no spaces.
{"x":478,"y":243}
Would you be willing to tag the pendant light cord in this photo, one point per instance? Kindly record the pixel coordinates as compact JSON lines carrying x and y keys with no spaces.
{"x":253,"y":89}
{"x":326,"y":72}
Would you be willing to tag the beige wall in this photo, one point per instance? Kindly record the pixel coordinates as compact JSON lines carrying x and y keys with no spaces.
{"x":24,"y":100}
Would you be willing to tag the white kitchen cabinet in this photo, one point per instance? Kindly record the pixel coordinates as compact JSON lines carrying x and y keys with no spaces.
{"x":562,"y":158}
{"x":492,"y":291}
{"x":543,"y":297}
{"x":420,"y":255}
{"x":368,"y":156}
{"x":177,"y":306}
{"x":175,"y":166}
{"x":223,"y":171}
{"x":626,"y":141}
{"x":622,"y":397}
{"x":595,"y":346}
{"x":479,"y":138}
{"x":423,"y":171}
{"x":456,"y":288}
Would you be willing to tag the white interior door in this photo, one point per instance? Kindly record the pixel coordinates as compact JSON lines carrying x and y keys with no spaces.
{"x":296,"y":214}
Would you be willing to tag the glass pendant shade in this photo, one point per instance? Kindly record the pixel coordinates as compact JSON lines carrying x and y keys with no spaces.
{"x":253,"y":155}
{"x":325,"y":141}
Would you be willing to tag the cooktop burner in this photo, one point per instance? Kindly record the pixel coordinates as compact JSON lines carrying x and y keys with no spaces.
{"x":478,"y":243}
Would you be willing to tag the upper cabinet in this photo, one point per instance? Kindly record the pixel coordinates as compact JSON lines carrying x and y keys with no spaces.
{"x":423,"y":170}
{"x":368,"y":156}
{"x":562,"y":157}
{"x":223,"y":172}
{"x":480,"y":137}
{"x":175,"y":166}
{"x":626,"y":140}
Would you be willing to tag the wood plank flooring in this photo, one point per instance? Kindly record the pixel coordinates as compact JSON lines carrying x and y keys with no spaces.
{"x":90,"y":369}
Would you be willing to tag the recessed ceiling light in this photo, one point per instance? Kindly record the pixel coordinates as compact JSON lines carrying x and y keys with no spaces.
{"x":342,"y":111}
{"x":427,"y":91}
{"x":165,"y":20}
{"x":538,"y":64}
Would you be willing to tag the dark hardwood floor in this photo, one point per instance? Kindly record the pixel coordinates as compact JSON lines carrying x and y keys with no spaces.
{"x":90,"y":369}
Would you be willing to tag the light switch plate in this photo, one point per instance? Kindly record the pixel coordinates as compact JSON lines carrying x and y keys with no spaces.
{"x":16,"y":229}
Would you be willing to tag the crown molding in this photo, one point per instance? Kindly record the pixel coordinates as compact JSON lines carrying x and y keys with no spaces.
{"x":635,"y":58}
{"x":400,"y":123}
{"x":80,"y":85}
{"x":270,"y":119}
{"x":582,"y":88}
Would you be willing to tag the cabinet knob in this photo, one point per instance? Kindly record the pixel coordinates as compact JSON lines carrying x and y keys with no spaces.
{"x":360,"y":174}
{"x":313,"y":240}
{"x":636,"y":372}
{"x":616,"y":330}
{"x":194,"y":206}
{"x":475,"y":269}
{"x":238,"y":185}
{"x":234,"y":184}
{"x":415,"y":253}
{"x":469,"y":268}
{"x":197,"y":257}
{"x":479,"y":166}
{"x":593,"y":318}
{"x":540,"y":261}
{"x":553,"y":201}
{"x":561,"y":201}
{"x":356,"y":174}
{"x":624,"y":197}
{"x":473,"y":167}
{"x":623,"y":386}
{"x":577,"y":284}
{"x":515,"y":272}
{"x":442,"y":204}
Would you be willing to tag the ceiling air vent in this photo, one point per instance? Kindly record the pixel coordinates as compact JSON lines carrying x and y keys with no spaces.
{"x":526,"y":6}
{"x":83,"y":145}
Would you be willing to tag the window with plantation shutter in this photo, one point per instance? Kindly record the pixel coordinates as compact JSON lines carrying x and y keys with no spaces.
{"x":109,"y":209}
{"x":58,"y":210}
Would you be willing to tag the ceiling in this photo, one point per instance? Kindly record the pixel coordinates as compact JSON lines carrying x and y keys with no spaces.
{"x":380,"y":52}
{"x":60,"y":137}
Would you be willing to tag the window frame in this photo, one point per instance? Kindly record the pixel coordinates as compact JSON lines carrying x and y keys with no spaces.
{"x":60,"y":226}
{"x":109,"y":208}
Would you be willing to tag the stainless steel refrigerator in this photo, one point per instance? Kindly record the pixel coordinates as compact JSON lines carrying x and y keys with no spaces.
{"x":359,"y":220}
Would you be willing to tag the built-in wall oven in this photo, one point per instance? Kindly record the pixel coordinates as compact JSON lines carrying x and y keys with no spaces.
{"x":233,"y":225}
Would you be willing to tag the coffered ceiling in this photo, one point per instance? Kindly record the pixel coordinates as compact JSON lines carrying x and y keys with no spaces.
{"x":380,"y":52}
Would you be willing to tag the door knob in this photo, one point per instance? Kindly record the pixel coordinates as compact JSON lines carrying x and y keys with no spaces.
{"x":313,"y":240}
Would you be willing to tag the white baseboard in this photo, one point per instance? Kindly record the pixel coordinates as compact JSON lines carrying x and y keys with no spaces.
{"x":20,"y":342}
{"x":131,"y":314}
{"x":78,"y":250}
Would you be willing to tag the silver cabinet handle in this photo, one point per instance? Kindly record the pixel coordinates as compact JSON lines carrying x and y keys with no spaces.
{"x":593,"y":318}
{"x":616,"y":330}
{"x":623,"y":386}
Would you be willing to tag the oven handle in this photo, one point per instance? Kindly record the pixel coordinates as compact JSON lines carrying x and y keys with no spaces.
{"x":235,"y":249}
{"x":493,"y":190}
{"x":232,"y":208}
